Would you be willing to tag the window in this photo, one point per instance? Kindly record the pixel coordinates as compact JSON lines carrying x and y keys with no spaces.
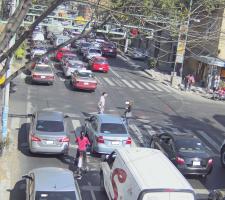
{"x":190,"y":145}
{"x":50,"y":126}
{"x":110,"y":128}
{"x":42,"y":69}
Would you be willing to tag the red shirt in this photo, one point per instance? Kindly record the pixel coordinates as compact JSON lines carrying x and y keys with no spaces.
{"x":82,"y":144}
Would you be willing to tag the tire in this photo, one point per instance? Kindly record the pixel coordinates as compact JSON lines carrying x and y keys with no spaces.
{"x":222,"y":156}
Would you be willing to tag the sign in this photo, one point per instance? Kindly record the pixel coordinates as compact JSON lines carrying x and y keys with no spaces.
{"x":2,"y":79}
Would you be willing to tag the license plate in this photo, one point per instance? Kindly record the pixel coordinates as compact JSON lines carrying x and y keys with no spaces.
{"x":42,"y":76}
{"x":86,"y":83}
{"x":196,"y":163}
{"x":100,"y":68}
{"x":115,"y":143}
{"x":49,"y":142}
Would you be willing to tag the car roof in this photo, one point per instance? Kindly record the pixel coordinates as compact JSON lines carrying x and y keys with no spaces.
{"x":151,"y":168}
{"x":109,"y":118}
{"x":50,"y":115}
{"x":84,"y":70}
{"x":53,"y":179}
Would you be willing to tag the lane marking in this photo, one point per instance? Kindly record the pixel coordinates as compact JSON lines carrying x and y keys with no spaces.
{"x":137,"y":85}
{"x":98,"y":80}
{"x":118,"y":82}
{"x":76,"y":124}
{"x":108,"y":81}
{"x":137,"y":132}
{"x":127,"y":83}
{"x":145,"y":85}
{"x":209,"y":139}
{"x":154,"y":86}
{"x":149,"y":130}
{"x":117,"y":75}
{"x":92,"y":192}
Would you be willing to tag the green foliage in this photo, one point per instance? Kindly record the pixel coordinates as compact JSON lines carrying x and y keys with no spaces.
{"x":20,"y":52}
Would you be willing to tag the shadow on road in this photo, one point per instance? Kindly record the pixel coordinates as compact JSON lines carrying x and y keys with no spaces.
{"x":19,"y":191}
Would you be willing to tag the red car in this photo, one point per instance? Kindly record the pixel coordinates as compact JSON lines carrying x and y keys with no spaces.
{"x":60,"y":53}
{"x":99,"y":64}
{"x":83,"y":80}
{"x":109,"y":49}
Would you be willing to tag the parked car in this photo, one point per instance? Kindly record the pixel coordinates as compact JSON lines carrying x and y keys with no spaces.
{"x":109,"y":49}
{"x":107,"y":132}
{"x":84,"y":80}
{"x":92,"y":52}
{"x":186,"y":151}
{"x":99,"y":64}
{"x":48,"y":134}
{"x":42,"y":73}
{"x":137,"y":54}
{"x":71,"y":66}
{"x":142,"y":173}
{"x":37,"y":52}
{"x":48,"y":183}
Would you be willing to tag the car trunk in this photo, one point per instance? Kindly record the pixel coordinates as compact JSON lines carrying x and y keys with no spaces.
{"x":43,"y":75}
{"x":115,"y":140}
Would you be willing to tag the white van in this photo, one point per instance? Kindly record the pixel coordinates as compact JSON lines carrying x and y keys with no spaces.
{"x":143,"y":174}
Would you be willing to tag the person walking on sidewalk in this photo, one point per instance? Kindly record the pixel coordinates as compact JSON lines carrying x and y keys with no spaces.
{"x":191,"y":81}
{"x":101,"y":103}
{"x":186,"y":78}
{"x":216,"y":83}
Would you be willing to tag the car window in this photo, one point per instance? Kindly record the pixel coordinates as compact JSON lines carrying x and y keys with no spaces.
{"x":48,"y":195}
{"x":42,"y":69}
{"x":111,"y":128}
{"x":190,"y":145}
{"x":49,"y":126}
{"x":85,"y":74}
{"x":101,"y":61}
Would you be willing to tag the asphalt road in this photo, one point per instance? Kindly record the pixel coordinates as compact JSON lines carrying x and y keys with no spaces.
{"x":157,"y":108}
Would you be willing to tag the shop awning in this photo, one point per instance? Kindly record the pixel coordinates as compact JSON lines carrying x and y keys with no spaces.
{"x":211,"y":61}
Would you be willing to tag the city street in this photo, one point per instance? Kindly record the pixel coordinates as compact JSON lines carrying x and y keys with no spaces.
{"x":157,"y":109}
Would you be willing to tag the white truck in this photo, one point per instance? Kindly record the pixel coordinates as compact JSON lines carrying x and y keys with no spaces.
{"x":143,"y":174}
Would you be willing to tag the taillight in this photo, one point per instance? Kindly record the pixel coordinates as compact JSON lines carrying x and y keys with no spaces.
{"x":35,"y":76}
{"x":35,"y":139}
{"x":64,"y":139}
{"x":210,"y":161}
{"x":100,"y":139}
{"x":180,"y":161}
{"x":128,"y":141}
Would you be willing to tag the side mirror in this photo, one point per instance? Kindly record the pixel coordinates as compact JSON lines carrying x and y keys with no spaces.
{"x":27,"y":177}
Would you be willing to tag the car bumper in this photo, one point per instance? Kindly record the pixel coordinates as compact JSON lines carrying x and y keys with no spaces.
{"x":103,"y":149}
{"x":195,"y":171}
{"x":101,"y":69}
{"x":42,"y":80}
{"x":35,"y":148}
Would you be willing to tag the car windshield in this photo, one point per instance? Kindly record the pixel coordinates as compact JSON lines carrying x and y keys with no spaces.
{"x":94,"y":51}
{"x":101,"y":61}
{"x":42,"y":69}
{"x":85,"y":74}
{"x":67,"y":195}
{"x":190,"y":145}
{"x":110,"y":128}
{"x":49,"y":126}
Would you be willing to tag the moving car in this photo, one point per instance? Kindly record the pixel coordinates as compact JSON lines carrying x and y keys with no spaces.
{"x":69,"y":56}
{"x":186,"y":151}
{"x":42,"y":73}
{"x":83,"y":47}
{"x":37,"y":52}
{"x":107,"y":132}
{"x":99,"y":64}
{"x":47,"y":133}
{"x":83,"y":80}
{"x":109,"y":49}
{"x":60,"y":53}
{"x":49,"y":183}
{"x":137,"y":54}
{"x":92,"y":52}
{"x":143,"y":174}
{"x":71,"y":66}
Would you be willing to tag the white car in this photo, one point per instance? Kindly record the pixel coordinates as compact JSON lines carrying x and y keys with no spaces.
{"x":92,"y":52}
{"x":37,"y":52}
{"x":71,"y":66}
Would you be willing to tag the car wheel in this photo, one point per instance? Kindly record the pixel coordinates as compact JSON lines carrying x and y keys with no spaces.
{"x":222,"y":157}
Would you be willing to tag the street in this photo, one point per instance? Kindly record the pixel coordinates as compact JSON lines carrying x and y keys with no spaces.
{"x":157,"y":109}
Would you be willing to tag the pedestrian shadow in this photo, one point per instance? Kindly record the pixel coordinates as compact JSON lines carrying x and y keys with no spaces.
{"x":23,"y":145}
{"x":19,"y":191}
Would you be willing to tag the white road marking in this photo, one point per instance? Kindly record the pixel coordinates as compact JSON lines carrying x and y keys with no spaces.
{"x":108,"y":81}
{"x":202,"y":191}
{"x":137,"y":85}
{"x":149,"y":130}
{"x":22,"y":76}
{"x":15,"y":123}
{"x":145,"y":85}
{"x":127,"y":83}
{"x":137,"y":132}
{"x":76,"y":124}
{"x":98,"y":80}
{"x":92,"y":192}
{"x":154,"y":86}
{"x":168,"y":89}
{"x":209,"y":139}
{"x":117,"y":75}
{"x":118,"y":82}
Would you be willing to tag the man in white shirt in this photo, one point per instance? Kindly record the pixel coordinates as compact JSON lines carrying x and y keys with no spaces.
{"x":101,"y":103}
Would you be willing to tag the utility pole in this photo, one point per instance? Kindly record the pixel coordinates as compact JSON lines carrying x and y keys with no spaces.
{"x":5,"y":97}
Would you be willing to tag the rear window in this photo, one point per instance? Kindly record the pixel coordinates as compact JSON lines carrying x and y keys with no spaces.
{"x":110,"y":128}
{"x":190,"y":145}
{"x":68,"y":195}
{"x":85,"y":75}
{"x":102,"y":61}
{"x":49,"y":126}
{"x":42,"y":69}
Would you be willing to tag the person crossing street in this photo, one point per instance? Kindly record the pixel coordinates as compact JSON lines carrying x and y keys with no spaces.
{"x":101,"y":103}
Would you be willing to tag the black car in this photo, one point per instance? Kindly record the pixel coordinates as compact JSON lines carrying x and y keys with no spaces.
{"x":186,"y":151}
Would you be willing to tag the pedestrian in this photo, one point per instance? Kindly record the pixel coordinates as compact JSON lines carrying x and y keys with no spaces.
{"x":216,"y":82}
{"x":191,"y":81}
{"x":128,"y":113}
{"x":82,"y":142}
{"x":186,"y":78}
{"x":101,"y":103}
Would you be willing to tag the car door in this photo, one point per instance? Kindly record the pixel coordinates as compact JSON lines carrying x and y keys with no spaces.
{"x":166,"y":144}
{"x":92,"y":128}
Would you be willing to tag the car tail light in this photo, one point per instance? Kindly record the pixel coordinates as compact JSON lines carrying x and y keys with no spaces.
{"x":210,"y":161}
{"x":35,"y":139}
{"x":180,"y":161}
{"x":128,"y":141}
{"x":50,"y":77}
{"x":100,"y":139}
{"x":64,"y":139}
{"x":35,"y":76}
